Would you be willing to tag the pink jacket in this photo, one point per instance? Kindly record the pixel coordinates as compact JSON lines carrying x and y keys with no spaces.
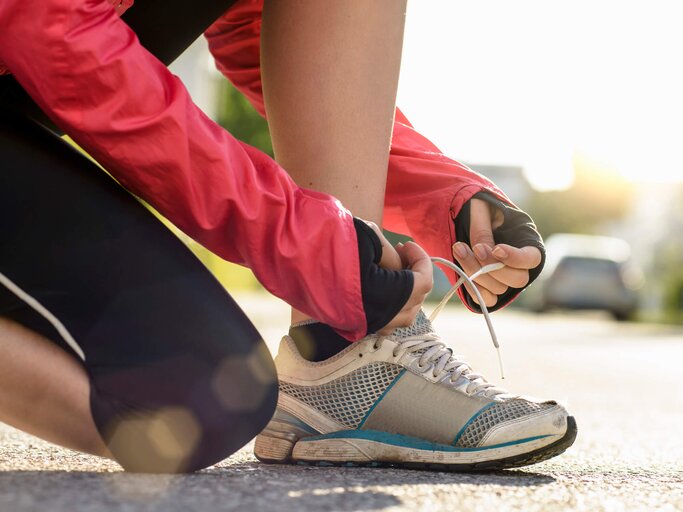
{"x":88,"y":72}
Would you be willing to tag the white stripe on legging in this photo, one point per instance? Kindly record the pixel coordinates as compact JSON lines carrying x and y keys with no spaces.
{"x":44,"y":312}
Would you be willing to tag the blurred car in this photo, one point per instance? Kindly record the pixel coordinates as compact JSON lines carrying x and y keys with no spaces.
{"x":587,"y":272}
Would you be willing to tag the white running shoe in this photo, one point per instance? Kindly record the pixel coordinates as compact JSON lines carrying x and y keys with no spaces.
{"x":405,"y":400}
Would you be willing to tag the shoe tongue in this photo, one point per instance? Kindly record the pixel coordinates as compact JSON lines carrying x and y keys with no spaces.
{"x":419,"y":327}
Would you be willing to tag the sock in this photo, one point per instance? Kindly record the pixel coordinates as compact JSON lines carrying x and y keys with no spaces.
{"x":316,"y":341}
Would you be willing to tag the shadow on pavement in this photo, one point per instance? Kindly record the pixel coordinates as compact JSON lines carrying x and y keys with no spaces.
{"x":237,"y":486}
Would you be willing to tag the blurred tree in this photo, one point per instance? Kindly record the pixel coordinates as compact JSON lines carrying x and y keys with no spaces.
{"x":598,"y":195}
{"x":236,"y":115}
{"x":668,"y":263}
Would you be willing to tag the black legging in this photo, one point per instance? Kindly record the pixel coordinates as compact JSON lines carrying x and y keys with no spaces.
{"x":179,"y":377}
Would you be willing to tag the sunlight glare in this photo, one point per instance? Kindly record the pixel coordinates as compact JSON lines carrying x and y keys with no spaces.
{"x":532,"y":82}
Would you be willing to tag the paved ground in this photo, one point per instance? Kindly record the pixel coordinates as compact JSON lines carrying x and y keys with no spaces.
{"x":624,"y":384}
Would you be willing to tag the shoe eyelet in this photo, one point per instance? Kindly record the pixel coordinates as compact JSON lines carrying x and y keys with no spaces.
{"x":424,"y":368}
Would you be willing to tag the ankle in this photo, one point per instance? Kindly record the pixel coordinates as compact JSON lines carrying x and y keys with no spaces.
{"x":316,"y":341}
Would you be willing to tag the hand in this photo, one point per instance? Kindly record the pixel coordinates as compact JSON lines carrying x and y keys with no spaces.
{"x":391,"y":260}
{"x":484,"y":251}
{"x":414,"y":258}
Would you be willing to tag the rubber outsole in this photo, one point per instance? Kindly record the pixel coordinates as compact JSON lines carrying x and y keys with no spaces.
{"x":526,"y":459}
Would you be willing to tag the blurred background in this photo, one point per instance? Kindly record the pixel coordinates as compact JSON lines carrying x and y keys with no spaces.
{"x":574,"y":109}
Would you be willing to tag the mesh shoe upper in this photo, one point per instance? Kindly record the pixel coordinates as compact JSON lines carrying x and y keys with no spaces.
{"x":349,"y":398}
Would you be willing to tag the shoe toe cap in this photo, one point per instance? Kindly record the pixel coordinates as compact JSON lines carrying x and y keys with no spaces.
{"x":549,"y":421}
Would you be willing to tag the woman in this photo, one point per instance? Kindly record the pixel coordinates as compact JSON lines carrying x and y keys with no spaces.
{"x":87,"y":268}
{"x":172,"y":376}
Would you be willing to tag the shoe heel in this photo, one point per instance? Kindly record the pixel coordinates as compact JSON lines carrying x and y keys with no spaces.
{"x":276,"y":442}
{"x":274,"y":447}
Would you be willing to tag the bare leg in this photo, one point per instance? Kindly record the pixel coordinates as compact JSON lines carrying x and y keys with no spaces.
{"x":330,"y":73}
{"x":44,"y":391}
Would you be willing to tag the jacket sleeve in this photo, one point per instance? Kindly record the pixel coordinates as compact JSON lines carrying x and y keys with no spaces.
{"x":88,"y":72}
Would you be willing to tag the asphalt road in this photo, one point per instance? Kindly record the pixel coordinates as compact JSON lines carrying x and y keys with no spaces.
{"x":623,"y":382}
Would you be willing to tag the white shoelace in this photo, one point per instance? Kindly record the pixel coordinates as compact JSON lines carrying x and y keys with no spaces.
{"x":435,"y":355}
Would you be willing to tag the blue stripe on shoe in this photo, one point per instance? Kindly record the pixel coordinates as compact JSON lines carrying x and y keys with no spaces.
{"x":367,"y":414}
{"x":409,"y":442}
{"x":476,"y":415}
{"x":293,"y":420}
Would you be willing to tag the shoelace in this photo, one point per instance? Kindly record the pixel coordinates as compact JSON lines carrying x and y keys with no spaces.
{"x":437,"y":356}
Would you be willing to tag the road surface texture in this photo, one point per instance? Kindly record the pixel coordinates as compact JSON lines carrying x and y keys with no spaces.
{"x":623,"y":382}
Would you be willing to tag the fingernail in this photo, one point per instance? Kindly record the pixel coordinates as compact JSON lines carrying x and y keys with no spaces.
{"x":460,"y":250}
{"x":500,"y":253}
{"x":481,"y":251}
{"x":400,"y":244}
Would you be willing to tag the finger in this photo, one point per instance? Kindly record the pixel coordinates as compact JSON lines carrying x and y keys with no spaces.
{"x":512,"y":277}
{"x":498,"y":218}
{"x":507,"y":276}
{"x":419,"y":262}
{"x":390,"y":258}
{"x":474,"y":260}
{"x":524,"y":258}
{"x":483,"y":254}
{"x":465,"y":257}
{"x":482,"y":242}
{"x":400,"y":251}
{"x":480,"y":224}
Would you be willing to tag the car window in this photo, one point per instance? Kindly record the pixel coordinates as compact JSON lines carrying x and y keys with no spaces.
{"x":588,"y":266}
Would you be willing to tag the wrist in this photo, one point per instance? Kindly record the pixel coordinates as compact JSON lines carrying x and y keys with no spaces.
{"x":384,"y":291}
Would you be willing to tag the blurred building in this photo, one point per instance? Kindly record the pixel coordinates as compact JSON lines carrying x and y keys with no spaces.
{"x":197,"y":70}
{"x":509,"y":178}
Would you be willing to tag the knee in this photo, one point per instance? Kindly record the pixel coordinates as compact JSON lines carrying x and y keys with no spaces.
{"x":184,"y":415}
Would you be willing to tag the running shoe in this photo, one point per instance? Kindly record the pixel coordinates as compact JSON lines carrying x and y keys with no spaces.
{"x":406,"y":400}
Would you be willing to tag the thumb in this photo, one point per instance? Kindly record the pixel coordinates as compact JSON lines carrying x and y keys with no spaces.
{"x":526,"y":258}
{"x":480,"y":224}
{"x":419,"y":262}
{"x":390,"y":258}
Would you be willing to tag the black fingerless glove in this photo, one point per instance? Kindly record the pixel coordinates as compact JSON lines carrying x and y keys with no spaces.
{"x":384,"y":292}
{"x":517,"y":230}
